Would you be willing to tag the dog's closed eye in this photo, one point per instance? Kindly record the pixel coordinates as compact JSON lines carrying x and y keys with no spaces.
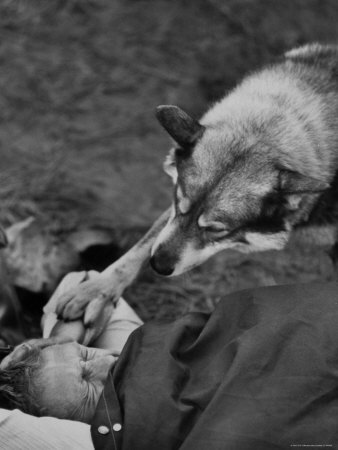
{"x":213,"y":226}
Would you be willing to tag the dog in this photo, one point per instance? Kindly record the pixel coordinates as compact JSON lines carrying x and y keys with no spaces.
{"x":259,"y":165}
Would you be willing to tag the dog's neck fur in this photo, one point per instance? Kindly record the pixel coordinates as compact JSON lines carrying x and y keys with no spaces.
{"x":297,"y":116}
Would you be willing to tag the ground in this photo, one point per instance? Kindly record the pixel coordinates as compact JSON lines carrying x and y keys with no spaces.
{"x":79,"y":143}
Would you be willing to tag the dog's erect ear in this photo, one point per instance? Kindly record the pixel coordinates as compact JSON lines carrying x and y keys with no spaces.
{"x":296,"y":183}
{"x":182,"y":128}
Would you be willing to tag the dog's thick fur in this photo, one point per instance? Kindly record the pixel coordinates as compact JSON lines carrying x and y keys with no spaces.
{"x":260,"y":163}
{"x":263,"y":163}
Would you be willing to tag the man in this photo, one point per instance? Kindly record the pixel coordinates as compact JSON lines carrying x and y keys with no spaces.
{"x":260,"y":372}
{"x":19,"y":430}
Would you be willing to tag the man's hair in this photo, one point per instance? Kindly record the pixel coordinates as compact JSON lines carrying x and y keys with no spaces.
{"x":17,"y":386}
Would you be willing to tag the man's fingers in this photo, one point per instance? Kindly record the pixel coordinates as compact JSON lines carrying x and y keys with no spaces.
{"x":71,"y":305}
{"x":46,"y":342}
{"x":20,"y":352}
{"x":93,"y":311}
{"x":73,"y":310}
{"x":62,"y":302}
{"x":91,"y":334}
{"x":98,"y":313}
{"x":68,"y":283}
{"x":92,"y":291}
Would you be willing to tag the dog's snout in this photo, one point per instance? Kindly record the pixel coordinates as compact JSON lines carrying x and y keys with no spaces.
{"x":163,"y":263}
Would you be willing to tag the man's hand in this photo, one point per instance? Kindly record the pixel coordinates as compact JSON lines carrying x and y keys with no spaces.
{"x":75,"y":330}
{"x":93,"y":301}
{"x":80,"y":293}
{"x":87,"y":299}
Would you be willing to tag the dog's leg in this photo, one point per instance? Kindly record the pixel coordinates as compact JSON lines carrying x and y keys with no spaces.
{"x":90,"y":297}
{"x":125,"y":270}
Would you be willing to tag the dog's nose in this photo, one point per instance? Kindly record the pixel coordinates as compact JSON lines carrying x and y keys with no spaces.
{"x":162,"y":264}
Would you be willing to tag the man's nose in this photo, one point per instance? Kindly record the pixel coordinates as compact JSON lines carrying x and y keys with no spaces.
{"x":163,"y":262}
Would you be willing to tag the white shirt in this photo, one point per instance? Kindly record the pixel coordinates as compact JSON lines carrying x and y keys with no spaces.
{"x":20,"y":431}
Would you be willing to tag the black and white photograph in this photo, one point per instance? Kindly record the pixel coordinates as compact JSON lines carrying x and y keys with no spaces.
{"x":168,"y":224}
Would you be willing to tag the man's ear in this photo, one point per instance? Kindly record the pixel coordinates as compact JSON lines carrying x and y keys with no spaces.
{"x":169,"y":165}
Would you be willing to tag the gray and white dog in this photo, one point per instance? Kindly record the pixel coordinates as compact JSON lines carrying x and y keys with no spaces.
{"x":259,"y":164}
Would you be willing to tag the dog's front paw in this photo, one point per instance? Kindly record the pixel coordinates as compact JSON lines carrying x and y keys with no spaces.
{"x":87,"y":299}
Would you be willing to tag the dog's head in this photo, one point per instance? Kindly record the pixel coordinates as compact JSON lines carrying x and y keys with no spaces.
{"x":229,"y":192}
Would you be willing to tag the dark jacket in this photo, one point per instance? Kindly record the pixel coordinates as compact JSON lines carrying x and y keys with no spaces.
{"x":259,"y":373}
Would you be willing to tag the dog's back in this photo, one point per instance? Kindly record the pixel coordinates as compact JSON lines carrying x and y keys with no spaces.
{"x":317,"y":66}
{"x":295,"y":103}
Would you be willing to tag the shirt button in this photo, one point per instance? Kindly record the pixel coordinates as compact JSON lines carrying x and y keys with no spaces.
{"x":103,"y":429}
{"x":117,"y":427}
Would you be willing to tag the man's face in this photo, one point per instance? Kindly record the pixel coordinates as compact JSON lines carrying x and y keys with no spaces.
{"x":70,"y":380}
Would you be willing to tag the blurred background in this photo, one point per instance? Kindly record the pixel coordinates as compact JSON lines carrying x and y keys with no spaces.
{"x":81,"y":151}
